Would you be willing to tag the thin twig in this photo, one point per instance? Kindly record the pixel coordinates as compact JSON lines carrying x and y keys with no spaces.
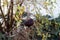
{"x":11,"y":13}
{"x":2,"y":13}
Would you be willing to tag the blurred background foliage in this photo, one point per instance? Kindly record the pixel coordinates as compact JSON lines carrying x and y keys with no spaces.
{"x":47,"y":28}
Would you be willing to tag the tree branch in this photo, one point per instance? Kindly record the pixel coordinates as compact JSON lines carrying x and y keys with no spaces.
{"x":2,"y":13}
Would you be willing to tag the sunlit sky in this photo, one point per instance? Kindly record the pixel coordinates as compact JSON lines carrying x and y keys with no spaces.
{"x":43,"y":11}
{"x":56,"y":10}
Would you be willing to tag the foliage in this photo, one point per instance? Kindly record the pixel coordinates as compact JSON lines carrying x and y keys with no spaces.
{"x":47,"y":27}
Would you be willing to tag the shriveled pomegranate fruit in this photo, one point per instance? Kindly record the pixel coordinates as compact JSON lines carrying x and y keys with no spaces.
{"x":29,"y":22}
